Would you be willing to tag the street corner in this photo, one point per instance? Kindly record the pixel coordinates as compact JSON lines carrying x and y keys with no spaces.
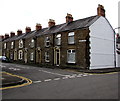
{"x":95,"y":71}
{"x":12,"y":81}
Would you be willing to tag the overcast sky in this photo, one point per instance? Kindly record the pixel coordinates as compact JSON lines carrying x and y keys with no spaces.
{"x":17,"y":14}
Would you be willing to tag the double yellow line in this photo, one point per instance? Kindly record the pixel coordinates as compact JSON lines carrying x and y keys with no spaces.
{"x":25,"y":84}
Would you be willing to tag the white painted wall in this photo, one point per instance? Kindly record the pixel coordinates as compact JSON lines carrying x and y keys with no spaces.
{"x":118,"y":60}
{"x":102,"y":44}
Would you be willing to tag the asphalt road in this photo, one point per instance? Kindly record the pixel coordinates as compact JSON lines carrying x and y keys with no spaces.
{"x":60,"y":84}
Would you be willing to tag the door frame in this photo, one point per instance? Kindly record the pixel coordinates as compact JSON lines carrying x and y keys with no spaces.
{"x":56,"y":51}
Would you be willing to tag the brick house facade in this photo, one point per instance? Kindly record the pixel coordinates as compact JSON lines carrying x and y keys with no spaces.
{"x":65,"y":45}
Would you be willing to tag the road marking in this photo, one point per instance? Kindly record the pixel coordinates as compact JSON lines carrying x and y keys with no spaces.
{"x":57,"y":79}
{"x":25,"y":84}
{"x":65,"y":77}
{"x":37,"y":81}
{"x":3,"y":66}
{"x":72,"y":76}
{"x":52,"y":73}
{"x":85,"y":75}
{"x":15,"y":69}
{"x":80,"y":75}
{"x":47,"y":80}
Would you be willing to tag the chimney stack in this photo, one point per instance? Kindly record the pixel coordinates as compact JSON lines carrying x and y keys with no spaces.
{"x":69,"y":18}
{"x":1,"y":37}
{"x":100,"y":10}
{"x":38,"y":27}
{"x":12,"y":34}
{"x":28,"y":29}
{"x":117,"y":35}
{"x":6,"y":36}
{"x":51,"y":23}
{"x":19,"y":32}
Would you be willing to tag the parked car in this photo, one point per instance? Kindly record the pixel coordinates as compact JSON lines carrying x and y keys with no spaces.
{"x":4,"y":59}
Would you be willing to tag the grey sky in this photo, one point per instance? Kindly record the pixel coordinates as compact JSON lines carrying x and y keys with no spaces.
{"x":17,"y":14}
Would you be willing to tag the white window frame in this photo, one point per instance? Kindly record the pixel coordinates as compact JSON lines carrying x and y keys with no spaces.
{"x":71,"y":35}
{"x":32,"y":56}
{"x":118,"y":45}
{"x":12,"y":45}
{"x":47,"y":57}
{"x":58,"y":39}
{"x":20,"y":43}
{"x":32,"y":43}
{"x":47,"y":40}
{"x":70,"y":54}
{"x":5,"y":45}
{"x":20,"y":54}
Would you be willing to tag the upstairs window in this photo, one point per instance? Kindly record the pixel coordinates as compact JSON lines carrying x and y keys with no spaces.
{"x":58,"y":39}
{"x":12,"y":45}
{"x":71,"y":56}
{"x":118,"y":46}
{"x":47,"y":57}
{"x":32,"y":56}
{"x":5,"y":45}
{"x":32,"y":43}
{"x":71,"y":39}
{"x":47,"y":41}
{"x":20,"y":43}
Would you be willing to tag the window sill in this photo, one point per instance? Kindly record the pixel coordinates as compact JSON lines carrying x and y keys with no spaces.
{"x":71,"y":63}
{"x":71,"y":43}
{"x":47,"y":61}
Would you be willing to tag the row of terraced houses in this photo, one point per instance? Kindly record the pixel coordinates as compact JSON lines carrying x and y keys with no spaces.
{"x":86,"y":43}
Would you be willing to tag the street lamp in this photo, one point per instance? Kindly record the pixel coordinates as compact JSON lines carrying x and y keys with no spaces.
{"x":115,"y":46}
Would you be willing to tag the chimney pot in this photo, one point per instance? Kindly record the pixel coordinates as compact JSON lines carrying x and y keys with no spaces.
{"x":51,"y":23}
{"x":100,"y":10}
{"x":28,"y":29}
{"x":6,"y":36}
{"x":38,"y":27}
{"x":12,"y":34}
{"x":19,"y":32}
{"x":1,"y":37}
{"x":69,"y":18}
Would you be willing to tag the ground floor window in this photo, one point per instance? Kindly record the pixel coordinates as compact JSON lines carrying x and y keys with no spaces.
{"x":71,"y":56}
{"x":20,"y":54}
{"x":31,"y":56}
{"x":47,"y":57}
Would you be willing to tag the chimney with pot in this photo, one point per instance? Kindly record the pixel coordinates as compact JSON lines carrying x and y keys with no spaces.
{"x":69,"y":18}
{"x":38,"y":27}
{"x":12,"y":34}
{"x":1,"y":37}
{"x":27,"y":29}
{"x":100,"y":10}
{"x":19,"y":32}
{"x":6,"y":36}
{"x":51,"y":23}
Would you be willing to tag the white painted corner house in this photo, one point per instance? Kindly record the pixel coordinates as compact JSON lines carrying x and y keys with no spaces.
{"x":102,"y":50}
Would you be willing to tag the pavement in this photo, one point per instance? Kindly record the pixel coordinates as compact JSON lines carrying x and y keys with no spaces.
{"x":11,"y":80}
{"x":97,"y":71}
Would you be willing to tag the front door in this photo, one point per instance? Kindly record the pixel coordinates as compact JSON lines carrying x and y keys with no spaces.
{"x":39,"y":56}
{"x":15,"y":55}
{"x":57,"y":57}
{"x":25,"y":57}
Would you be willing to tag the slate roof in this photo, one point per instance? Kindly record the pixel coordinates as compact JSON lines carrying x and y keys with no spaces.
{"x":10,"y":38}
{"x":77,"y":24}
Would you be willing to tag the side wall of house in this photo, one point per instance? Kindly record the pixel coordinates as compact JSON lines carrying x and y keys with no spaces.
{"x":101,"y":44}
